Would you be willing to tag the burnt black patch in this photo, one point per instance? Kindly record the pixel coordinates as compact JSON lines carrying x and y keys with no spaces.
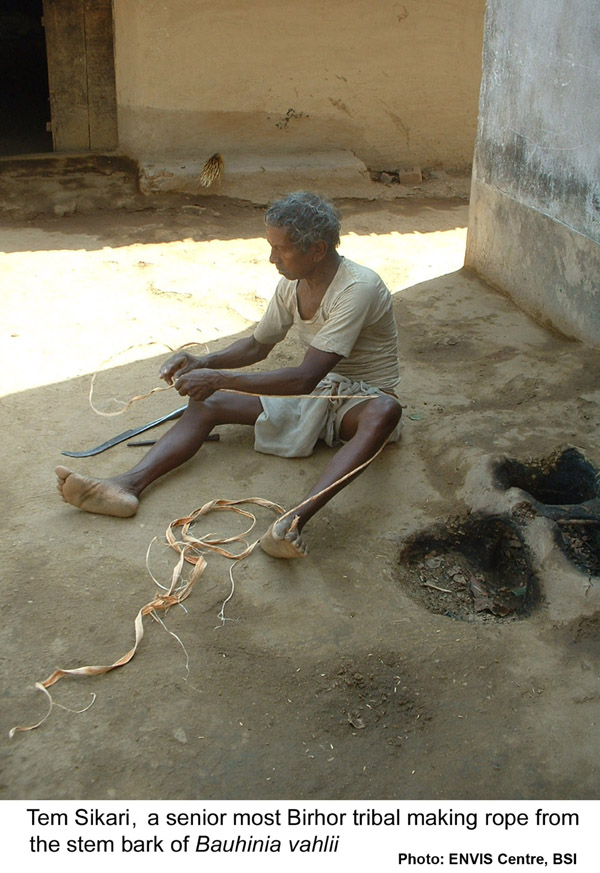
{"x":565,"y":488}
{"x":471,"y":566}
{"x":580,"y":541}
{"x":566,"y":477}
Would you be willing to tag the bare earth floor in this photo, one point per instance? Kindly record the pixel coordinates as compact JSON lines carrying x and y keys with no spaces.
{"x":344,"y":675}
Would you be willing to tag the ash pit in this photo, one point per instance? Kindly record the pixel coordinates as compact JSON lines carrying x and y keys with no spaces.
{"x":580,"y":541}
{"x":468,"y":567}
{"x":564,"y":487}
{"x":564,"y":478}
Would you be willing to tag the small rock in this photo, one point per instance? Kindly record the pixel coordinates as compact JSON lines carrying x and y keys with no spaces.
{"x":411,"y":176}
{"x":438,"y":174}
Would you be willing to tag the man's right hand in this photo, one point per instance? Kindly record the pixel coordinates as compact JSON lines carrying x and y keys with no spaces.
{"x":178,"y":364}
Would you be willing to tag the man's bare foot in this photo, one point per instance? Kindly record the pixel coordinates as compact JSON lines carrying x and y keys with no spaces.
{"x":283,"y":539}
{"x":103,"y":496}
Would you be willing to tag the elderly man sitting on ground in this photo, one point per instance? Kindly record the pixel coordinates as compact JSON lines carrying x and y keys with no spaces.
{"x":343,"y":391}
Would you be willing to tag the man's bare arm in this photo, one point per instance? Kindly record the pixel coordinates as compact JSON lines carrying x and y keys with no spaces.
{"x":201,"y":383}
{"x":243,"y":353}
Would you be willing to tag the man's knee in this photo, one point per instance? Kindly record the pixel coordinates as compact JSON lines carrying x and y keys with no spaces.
{"x":378,"y":416}
{"x":388,"y":413}
{"x":228,"y":408}
{"x":382,"y":415}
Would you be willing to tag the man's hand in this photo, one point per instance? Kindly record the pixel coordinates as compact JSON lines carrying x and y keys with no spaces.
{"x":177,"y":365}
{"x":198,"y":384}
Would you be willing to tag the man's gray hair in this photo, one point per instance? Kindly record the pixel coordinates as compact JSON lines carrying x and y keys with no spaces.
{"x":309,"y":218}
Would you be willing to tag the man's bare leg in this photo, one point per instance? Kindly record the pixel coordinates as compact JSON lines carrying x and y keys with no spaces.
{"x":366,"y":427}
{"x":119,"y":495}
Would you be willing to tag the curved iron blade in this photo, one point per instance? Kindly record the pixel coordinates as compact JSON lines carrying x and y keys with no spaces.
{"x":120,"y":438}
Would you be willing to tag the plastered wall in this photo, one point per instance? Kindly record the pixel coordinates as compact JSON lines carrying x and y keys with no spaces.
{"x":534,"y":227}
{"x":396,"y":83}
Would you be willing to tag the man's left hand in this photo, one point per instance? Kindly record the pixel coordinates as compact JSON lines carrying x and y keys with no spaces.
{"x":198,"y":384}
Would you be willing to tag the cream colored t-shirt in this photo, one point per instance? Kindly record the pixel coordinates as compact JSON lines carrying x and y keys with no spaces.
{"x":355,"y":320}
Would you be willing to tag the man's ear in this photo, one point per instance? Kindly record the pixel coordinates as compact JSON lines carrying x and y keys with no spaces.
{"x":320,"y":249}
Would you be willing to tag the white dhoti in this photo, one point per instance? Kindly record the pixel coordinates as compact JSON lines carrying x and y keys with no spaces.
{"x":290,"y":426}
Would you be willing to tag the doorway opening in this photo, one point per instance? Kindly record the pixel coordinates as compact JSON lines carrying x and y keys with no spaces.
{"x":24,"y":95}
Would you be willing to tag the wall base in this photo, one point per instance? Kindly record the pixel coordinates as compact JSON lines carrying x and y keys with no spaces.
{"x":261,"y":178}
{"x":548,"y":269}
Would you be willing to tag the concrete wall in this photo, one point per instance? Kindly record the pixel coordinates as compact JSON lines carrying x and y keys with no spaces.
{"x":534,"y":227}
{"x":396,"y":83}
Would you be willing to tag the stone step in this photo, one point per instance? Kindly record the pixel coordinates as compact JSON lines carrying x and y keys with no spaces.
{"x":261,"y":178}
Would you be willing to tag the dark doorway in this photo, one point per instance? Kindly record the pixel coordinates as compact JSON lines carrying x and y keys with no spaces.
{"x":24,"y":96}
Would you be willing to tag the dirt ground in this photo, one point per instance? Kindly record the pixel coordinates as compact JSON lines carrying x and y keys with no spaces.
{"x":346,"y":675}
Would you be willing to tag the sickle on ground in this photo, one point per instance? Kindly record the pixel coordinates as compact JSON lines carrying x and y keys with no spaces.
{"x":120,"y":438}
